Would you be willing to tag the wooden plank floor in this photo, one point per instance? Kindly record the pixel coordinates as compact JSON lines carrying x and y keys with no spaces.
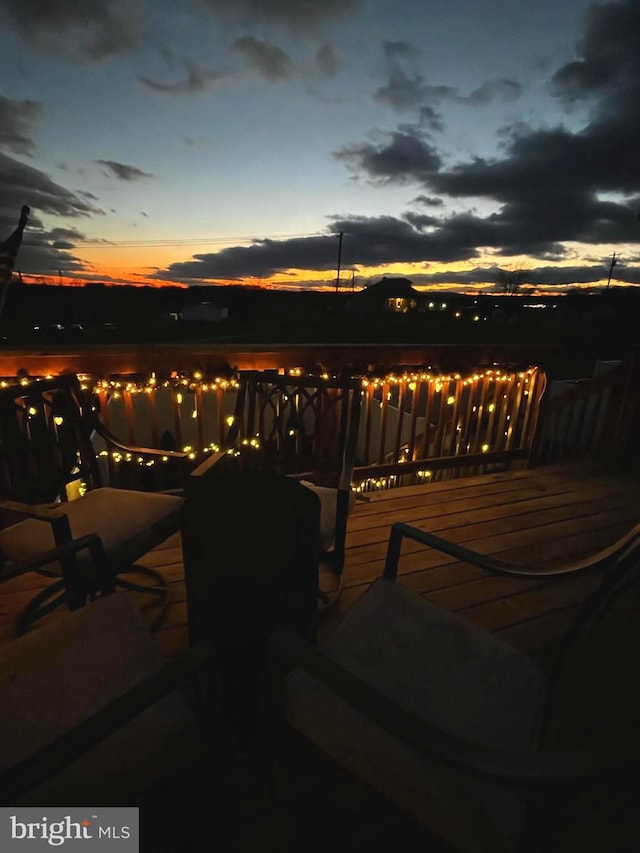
{"x":542,"y":517}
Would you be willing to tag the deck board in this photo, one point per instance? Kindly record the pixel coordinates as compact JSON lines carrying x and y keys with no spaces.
{"x":542,"y":517}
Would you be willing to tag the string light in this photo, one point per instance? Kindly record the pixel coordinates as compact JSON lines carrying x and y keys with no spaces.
{"x":181,"y":383}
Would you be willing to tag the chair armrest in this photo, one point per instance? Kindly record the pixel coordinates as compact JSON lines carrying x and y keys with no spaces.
{"x":91,"y":541}
{"x":599,"y":760}
{"x":54,"y":514}
{"x":399,"y":530}
{"x":209,"y":463}
{"x":114,"y":441}
{"x":17,"y":781}
{"x":42,"y":512}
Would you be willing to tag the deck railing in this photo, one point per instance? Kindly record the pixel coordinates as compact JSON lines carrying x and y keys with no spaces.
{"x":417,"y":424}
{"x":414,"y":426}
{"x":588,"y":416}
{"x":420,"y":427}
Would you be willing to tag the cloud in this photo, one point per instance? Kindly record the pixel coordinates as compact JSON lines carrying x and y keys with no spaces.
{"x":41,"y":249}
{"x":80,"y":31}
{"x":404,"y":92}
{"x":327,"y":62}
{"x":21,"y":184}
{"x":168,"y":54}
{"x":394,"y":50}
{"x":399,"y":158}
{"x":541,"y":277}
{"x":502,"y":89}
{"x":17,"y":119}
{"x":608,"y":53}
{"x":431,"y":201}
{"x":266,"y":58}
{"x":122,"y":171}
{"x":299,"y":16}
{"x":368,"y":241}
{"x":198,"y":80}
{"x":549,"y":183}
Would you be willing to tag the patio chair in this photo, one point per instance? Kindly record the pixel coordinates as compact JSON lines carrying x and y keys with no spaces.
{"x":51,"y":491}
{"x":475,"y":743}
{"x":304,"y":427}
{"x":91,"y":716}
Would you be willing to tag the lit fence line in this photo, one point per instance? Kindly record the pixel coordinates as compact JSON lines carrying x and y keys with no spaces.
{"x":407,"y":420}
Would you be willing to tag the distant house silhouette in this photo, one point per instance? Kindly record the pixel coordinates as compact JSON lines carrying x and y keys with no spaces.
{"x":395,"y":295}
{"x":204,"y":312}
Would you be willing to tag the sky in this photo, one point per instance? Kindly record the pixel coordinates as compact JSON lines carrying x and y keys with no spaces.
{"x":458,"y":143}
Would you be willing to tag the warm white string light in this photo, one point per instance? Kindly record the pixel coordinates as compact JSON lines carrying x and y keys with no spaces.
{"x":181,"y":382}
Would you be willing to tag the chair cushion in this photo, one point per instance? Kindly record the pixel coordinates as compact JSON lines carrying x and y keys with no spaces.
{"x":328,"y":511}
{"x":450,"y":674}
{"x":56,"y":676}
{"x":128,"y":522}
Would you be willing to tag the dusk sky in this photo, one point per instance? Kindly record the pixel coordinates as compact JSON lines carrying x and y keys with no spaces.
{"x":231,"y":141}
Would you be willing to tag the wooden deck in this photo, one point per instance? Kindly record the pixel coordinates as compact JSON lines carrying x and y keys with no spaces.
{"x":541,"y":517}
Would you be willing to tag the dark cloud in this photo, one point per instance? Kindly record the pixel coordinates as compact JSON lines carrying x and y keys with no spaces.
{"x":399,"y":158}
{"x":122,"y":171}
{"x":81,"y":31}
{"x":297,"y":15}
{"x":21,"y":184}
{"x":536,"y":277}
{"x":42,"y":249}
{"x":17,"y":119}
{"x":495,"y":90}
{"x":198,"y":80}
{"x":266,"y":58}
{"x":421,"y":220}
{"x":168,"y":54}
{"x":371,"y":241}
{"x":394,"y":50}
{"x":431,"y":201}
{"x":326,"y":60}
{"x":549,"y":183}
{"x":608,"y":53}
{"x":88,"y":195}
{"x":429,"y":120}
{"x":71,"y":235}
{"x":368,"y":241}
{"x":404,"y":92}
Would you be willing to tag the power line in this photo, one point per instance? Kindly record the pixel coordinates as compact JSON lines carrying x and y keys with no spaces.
{"x":191,"y":241}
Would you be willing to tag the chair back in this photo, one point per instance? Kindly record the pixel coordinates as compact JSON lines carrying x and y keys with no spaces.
{"x":298,"y":425}
{"x":250,"y":556}
{"x":45,"y":440}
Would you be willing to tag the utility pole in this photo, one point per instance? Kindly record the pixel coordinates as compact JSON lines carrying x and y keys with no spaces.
{"x":339,"y":260}
{"x":353,"y":280}
{"x":613,"y":263}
